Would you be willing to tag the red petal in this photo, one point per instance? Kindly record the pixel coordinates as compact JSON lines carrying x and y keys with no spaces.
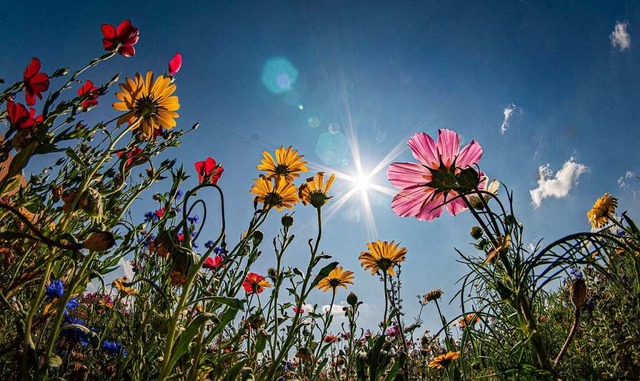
{"x":32,"y":69}
{"x":127,"y":51}
{"x":123,"y":26}
{"x":209,"y":166}
{"x":175,"y":64}
{"x":30,"y":97}
{"x":108,"y":31}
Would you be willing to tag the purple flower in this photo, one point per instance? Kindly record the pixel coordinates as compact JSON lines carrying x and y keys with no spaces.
{"x":393,"y":331}
{"x":193,"y":219}
{"x":113,"y":348}
{"x":150,"y":217}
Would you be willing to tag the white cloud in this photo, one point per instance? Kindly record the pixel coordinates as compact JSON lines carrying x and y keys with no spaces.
{"x":508,"y":113}
{"x":127,"y":269}
{"x":620,"y":38}
{"x":557,"y":186}
{"x":622,"y":181}
{"x":335,"y":310}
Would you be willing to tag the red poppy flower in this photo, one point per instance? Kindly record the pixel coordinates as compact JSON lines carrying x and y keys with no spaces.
{"x":160,"y":212}
{"x":122,"y":38}
{"x":175,"y":64}
{"x":212,"y":262}
{"x":180,"y":237}
{"x":254,"y":283}
{"x":20,"y":118}
{"x":208,"y":171}
{"x":34,"y":82}
{"x":133,"y":156}
{"x":90,"y":92}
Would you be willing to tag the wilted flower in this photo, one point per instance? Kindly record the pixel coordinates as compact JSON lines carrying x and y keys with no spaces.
{"x":99,"y":241}
{"x":432,"y":295}
{"x":331,"y":339}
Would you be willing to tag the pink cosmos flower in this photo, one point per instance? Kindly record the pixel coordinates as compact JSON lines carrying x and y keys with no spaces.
{"x":432,"y":184}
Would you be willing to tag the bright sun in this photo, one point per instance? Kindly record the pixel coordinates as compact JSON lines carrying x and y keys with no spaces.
{"x":362,"y":182}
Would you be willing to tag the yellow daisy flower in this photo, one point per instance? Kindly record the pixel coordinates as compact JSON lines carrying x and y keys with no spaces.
{"x":315,"y":191}
{"x":444,"y":360}
{"x":602,"y":210}
{"x":148,"y":103}
{"x":336,"y":278}
{"x":287,"y":163}
{"x":382,"y":256}
{"x":124,"y":290}
{"x":274,"y":193}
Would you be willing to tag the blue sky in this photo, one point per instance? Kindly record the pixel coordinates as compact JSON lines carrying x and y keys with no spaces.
{"x":549,"y":90}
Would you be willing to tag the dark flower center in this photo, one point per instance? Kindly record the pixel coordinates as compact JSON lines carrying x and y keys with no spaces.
{"x":272,"y":199}
{"x":146,"y":106}
{"x":282,"y":169}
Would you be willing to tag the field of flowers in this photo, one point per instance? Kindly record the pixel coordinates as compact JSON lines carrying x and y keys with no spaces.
{"x":203,"y":313}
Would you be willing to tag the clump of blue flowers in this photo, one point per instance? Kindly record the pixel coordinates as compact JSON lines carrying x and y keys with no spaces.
{"x":55,"y":289}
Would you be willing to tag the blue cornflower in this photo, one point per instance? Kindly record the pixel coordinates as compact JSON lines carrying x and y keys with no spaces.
{"x":193,"y":219}
{"x":76,"y":334}
{"x":195,"y":245}
{"x":209,"y":244}
{"x":113,"y":348}
{"x":71,"y":305}
{"x":576,"y":273}
{"x":220,"y":250}
{"x":179,"y":195}
{"x":55,"y":289}
{"x":150,"y":217}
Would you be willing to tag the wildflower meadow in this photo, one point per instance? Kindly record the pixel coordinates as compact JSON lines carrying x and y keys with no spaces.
{"x":195,"y":305}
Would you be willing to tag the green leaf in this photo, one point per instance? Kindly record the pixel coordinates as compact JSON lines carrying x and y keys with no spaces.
{"x":231,"y":302}
{"x":21,"y":159}
{"x":75,"y":158}
{"x":185,"y":338}
{"x":396,"y":366}
{"x":225,"y":319}
{"x":323,"y":273}
{"x":261,"y":341}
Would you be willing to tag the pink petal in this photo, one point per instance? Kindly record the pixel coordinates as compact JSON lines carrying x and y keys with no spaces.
{"x":408,"y":175}
{"x":456,"y":206}
{"x":424,"y":150}
{"x":448,"y":146}
{"x":432,"y":209}
{"x":470,"y":155}
{"x":409,"y":202}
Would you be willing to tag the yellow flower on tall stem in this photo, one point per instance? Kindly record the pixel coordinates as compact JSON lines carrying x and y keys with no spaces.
{"x":274,"y":193}
{"x":444,"y":360}
{"x":602,"y":210}
{"x":382,"y":256}
{"x":149,"y":104}
{"x":287,"y":163}
{"x":315,"y":190}
{"x":338,"y":277}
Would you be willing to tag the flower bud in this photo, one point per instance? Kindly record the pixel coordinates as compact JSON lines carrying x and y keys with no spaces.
{"x":352,"y":299}
{"x":287,"y":220}
{"x":476,"y":232}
